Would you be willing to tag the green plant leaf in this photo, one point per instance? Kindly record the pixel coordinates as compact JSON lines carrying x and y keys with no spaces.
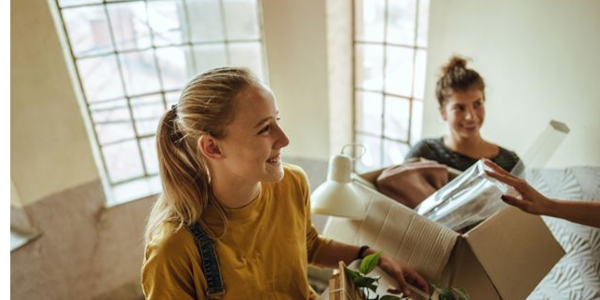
{"x":369,"y":263}
{"x":373,"y":287}
{"x":462,"y":294}
{"x":365,"y":281}
{"x":353,"y":274}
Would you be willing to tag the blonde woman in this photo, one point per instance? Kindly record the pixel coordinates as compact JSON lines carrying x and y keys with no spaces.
{"x":233,"y":221}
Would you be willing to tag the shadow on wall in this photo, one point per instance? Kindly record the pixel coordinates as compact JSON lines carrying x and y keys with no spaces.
{"x":87,"y":251}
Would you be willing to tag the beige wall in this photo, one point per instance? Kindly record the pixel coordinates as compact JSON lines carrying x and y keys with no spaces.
{"x":295,"y":37}
{"x":340,"y":77}
{"x":540,"y":61}
{"x":50,"y":150}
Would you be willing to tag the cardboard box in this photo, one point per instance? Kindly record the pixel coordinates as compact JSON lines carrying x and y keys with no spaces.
{"x":504,"y":257}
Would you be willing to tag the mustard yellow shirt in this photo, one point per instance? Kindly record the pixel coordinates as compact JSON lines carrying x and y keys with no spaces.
{"x":263,"y":255}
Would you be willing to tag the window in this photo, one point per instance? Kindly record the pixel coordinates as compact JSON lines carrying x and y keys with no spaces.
{"x":390,"y":51}
{"x":132,"y":58}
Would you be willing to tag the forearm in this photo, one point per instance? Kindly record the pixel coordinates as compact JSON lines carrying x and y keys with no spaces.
{"x":582,"y":212}
{"x":336,"y":251}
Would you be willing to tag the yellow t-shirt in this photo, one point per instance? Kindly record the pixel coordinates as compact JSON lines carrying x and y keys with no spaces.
{"x":263,"y":255}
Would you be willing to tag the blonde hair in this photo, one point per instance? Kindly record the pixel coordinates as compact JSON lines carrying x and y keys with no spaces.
{"x":206,"y":106}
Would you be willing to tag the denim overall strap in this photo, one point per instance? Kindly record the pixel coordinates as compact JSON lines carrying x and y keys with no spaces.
{"x":210,"y":263}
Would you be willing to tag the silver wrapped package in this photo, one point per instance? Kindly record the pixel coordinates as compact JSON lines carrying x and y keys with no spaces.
{"x":468,"y":199}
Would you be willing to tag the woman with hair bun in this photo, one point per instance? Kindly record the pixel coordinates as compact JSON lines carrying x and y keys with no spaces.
{"x":460,"y":92}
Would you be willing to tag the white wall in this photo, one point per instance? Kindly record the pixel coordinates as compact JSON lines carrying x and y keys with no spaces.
{"x":50,"y":148}
{"x":540,"y":61}
{"x":295,"y":36}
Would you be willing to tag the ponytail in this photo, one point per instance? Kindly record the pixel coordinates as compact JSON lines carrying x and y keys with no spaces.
{"x":206,"y":106}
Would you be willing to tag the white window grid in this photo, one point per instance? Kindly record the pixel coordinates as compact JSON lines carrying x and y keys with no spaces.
{"x":390,"y":46}
{"x":132,"y":57}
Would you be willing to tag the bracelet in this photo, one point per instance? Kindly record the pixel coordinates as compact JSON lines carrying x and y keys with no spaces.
{"x":361,"y":252}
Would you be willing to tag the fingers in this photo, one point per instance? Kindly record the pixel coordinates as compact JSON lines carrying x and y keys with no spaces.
{"x":510,"y":180}
{"x":402,"y":282}
{"x":521,"y":204}
{"x":417,"y":280}
{"x":495,"y":167}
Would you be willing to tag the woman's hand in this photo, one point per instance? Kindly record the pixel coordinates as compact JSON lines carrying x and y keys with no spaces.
{"x":532,"y":201}
{"x":402,"y":274}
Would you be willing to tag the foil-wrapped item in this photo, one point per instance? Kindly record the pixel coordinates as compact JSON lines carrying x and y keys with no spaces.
{"x":468,"y":199}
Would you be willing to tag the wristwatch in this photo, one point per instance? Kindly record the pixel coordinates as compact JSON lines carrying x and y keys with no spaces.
{"x":361,"y":252}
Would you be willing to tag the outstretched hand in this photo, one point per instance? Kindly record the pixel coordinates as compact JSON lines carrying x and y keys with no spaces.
{"x":402,"y":274}
{"x":531,"y":200}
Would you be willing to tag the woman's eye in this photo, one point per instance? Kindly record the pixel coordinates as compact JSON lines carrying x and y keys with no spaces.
{"x":265,"y":129}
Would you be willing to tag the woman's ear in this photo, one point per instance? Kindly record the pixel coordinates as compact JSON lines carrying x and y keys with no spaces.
{"x":209,"y":147}
{"x":443,"y":113}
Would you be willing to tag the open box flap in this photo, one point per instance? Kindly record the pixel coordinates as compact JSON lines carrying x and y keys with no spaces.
{"x":516,"y":250}
{"x":398,"y":231}
{"x":465,"y":271}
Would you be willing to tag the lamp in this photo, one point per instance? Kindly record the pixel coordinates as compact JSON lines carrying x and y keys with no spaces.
{"x":336,"y":196}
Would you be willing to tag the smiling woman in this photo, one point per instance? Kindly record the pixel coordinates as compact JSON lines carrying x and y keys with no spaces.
{"x":233,"y":220}
{"x":461,"y":96}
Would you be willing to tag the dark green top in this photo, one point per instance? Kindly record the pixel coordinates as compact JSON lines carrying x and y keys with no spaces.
{"x":435,"y":149}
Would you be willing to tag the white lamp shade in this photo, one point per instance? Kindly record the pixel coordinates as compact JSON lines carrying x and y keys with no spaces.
{"x":337,"y":197}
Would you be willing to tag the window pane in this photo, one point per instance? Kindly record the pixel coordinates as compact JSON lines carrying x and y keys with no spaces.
{"x":369,"y":109}
{"x":129,"y":25}
{"x":370,"y":15}
{"x":393,"y":153}
{"x":123,"y":161}
{"x":100,"y":77}
{"x":113,"y":121}
{"x":175,"y":70}
{"x":247,"y":55}
{"x":420,"y":69}
{"x":147,"y":112}
{"x":64,"y":3}
{"x":88,"y":31}
{"x":401,"y":22}
{"x":209,"y":57}
{"x":241,"y":19}
{"x":369,"y":67}
{"x":399,"y":71}
{"x":417,"y":122}
{"x":397,"y":113}
{"x":423,"y":23}
{"x":166,"y":20}
{"x":139,"y":72}
{"x":205,"y":20}
{"x":372,"y":158}
{"x":150,"y":155}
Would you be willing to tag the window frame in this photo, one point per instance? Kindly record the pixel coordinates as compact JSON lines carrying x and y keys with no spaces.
{"x":148,"y":183}
{"x":384,"y":94}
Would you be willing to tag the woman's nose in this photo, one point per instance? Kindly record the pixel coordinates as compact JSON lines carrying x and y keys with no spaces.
{"x":282,"y":139}
{"x":470,"y":114}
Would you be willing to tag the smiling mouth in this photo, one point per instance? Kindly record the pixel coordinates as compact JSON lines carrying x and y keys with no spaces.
{"x":470,"y":126}
{"x":275,"y":160}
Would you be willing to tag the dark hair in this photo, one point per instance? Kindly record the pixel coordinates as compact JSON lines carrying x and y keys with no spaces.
{"x":456,"y":77}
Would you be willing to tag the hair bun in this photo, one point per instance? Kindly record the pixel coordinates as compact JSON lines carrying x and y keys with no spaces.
{"x":455,"y":63}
